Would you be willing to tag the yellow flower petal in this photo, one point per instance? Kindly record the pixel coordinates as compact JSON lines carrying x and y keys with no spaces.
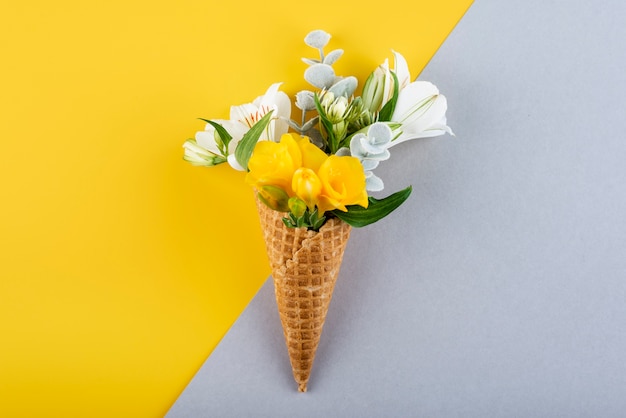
{"x":274,"y":163}
{"x":307,"y":186}
{"x":312,"y":156}
{"x":343,"y":183}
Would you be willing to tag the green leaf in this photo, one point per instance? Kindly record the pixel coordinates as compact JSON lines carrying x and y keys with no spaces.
{"x":328,"y":126}
{"x":386,"y":112}
{"x":246,"y":145}
{"x":318,"y":224}
{"x":358,"y":216}
{"x":222,"y":132}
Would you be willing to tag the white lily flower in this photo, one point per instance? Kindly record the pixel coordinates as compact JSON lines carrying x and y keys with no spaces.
{"x":379,"y":86}
{"x":251,"y":113}
{"x":243,"y":117}
{"x":401,"y":68}
{"x":421,"y":111}
{"x":207,"y":138}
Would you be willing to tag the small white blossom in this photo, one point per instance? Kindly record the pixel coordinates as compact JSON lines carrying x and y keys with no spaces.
{"x":243,"y":117}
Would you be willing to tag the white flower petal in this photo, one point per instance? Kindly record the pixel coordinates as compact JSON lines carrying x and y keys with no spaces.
{"x":432,"y":113}
{"x":273,"y":99}
{"x":411,"y":98}
{"x":401,"y":68}
{"x":206,"y":139}
{"x":388,"y":85}
{"x":281,"y":126}
{"x":232,"y":161}
{"x":246,"y":114}
{"x":422,"y":112}
{"x":268,"y":97}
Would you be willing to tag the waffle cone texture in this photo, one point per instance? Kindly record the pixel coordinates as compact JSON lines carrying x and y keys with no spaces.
{"x":305,"y":265}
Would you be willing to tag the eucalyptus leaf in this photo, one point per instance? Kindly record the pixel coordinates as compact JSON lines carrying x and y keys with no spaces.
{"x":321,"y":76}
{"x":333,"y":56}
{"x":344,"y":87}
{"x":246,"y":145}
{"x":317,"y":38}
{"x":305,"y":100}
{"x":358,"y":216}
{"x":294,"y":125}
{"x":310,"y":123}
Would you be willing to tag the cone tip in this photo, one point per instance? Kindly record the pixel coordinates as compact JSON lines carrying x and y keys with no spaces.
{"x":302,"y":387}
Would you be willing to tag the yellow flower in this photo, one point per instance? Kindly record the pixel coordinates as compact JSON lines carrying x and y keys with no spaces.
{"x":307,"y":186}
{"x":343,"y":183}
{"x":301,"y":169}
{"x":312,"y":156}
{"x":274,"y":163}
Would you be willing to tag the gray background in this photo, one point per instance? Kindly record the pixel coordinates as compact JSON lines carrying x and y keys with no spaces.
{"x":499,"y":289}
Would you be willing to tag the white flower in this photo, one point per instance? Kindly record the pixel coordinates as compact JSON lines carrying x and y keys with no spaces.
{"x":379,"y":86}
{"x":401,"y":68}
{"x":199,"y":156}
{"x":207,"y":138}
{"x":421,"y":111}
{"x":243,"y":117}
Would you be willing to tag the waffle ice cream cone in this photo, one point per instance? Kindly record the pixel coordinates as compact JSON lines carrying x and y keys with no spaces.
{"x":305,"y":265}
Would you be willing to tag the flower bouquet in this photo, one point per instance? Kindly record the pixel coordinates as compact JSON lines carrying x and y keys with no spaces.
{"x":313,"y":177}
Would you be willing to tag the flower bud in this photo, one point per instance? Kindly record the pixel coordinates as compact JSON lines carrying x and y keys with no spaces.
{"x":296,"y":206}
{"x":199,"y":156}
{"x":373,"y":91}
{"x":340,"y":129}
{"x":327,"y":99}
{"x":305,"y":100}
{"x":307,"y":186}
{"x":219,"y":141}
{"x":274,"y":197}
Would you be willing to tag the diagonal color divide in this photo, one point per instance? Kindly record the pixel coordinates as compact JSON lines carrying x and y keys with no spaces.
{"x":122,"y":266}
{"x":427,"y":27}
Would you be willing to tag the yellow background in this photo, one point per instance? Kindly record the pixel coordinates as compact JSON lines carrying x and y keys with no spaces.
{"x":121,"y":266}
